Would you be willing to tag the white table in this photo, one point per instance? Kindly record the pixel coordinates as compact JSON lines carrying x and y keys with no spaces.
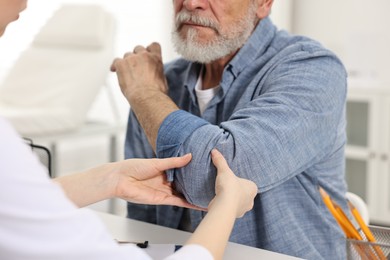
{"x":126,"y":229}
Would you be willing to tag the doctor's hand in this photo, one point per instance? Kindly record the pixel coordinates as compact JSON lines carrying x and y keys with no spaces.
{"x":144,"y":181}
{"x":135,"y":180}
{"x":141,"y":72}
{"x":236,"y":193}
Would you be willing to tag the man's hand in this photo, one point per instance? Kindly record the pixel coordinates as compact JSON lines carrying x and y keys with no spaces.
{"x":141,"y":73}
{"x":141,"y":78}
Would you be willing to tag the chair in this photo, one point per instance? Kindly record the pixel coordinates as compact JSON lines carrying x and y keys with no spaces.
{"x":52,"y":85}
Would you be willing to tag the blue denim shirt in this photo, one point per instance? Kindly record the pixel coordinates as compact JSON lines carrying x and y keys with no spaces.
{"x":279,"y":119}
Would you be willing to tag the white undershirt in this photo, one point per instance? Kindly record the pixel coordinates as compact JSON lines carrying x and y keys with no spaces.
{"x":38,"y":221}
{"x":204,"y":96}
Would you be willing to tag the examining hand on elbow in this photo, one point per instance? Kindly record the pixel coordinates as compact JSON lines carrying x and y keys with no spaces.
{"x":231,"y":190}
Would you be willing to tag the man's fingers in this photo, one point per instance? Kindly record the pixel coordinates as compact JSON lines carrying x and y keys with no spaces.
{"x":139,"y":49}
{"x":154,"y":48}
{"x":113,"y":65}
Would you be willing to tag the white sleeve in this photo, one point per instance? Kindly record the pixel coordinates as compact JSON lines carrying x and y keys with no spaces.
{"x":37,"y":221}
{"x":190,"y":252}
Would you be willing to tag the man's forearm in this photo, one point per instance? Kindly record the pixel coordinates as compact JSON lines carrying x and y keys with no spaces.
{"x":151,"y":109}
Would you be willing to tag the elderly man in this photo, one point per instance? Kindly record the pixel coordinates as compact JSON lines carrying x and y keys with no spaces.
{"x":271,"y":102}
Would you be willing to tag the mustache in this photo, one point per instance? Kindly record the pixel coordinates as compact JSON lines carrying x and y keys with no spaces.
{"x":185,"y":17}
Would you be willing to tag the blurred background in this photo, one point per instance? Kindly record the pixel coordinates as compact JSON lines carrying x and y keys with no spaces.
{"x":356,"y":30}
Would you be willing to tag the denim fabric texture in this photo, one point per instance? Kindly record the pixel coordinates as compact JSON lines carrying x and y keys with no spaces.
{"x":279,"y":120}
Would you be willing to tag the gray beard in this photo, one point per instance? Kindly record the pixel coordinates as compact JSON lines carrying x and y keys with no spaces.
{"x":221,"y":46}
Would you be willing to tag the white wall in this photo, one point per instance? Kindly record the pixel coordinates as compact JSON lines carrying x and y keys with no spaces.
{"x":357,"y":30}
{"x":282,"y":14}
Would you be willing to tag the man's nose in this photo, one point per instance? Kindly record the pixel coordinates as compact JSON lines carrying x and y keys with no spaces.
{"x":192,"y":5}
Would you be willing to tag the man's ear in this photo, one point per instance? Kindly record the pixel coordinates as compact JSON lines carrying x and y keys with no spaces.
{"x":264,"y":8}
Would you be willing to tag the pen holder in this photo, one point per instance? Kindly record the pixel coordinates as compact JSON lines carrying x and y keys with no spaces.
{"x":357,"y":249}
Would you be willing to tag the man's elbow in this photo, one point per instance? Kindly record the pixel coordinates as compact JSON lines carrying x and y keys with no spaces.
{"x":197,"y":192}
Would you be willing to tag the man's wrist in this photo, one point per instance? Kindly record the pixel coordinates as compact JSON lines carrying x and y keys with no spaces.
{"x":142,"y":96}
{"x":151,"y":108}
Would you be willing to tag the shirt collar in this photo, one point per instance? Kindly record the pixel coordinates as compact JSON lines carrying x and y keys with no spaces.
{"x":256,"y":45}
{"x":193,"y":75}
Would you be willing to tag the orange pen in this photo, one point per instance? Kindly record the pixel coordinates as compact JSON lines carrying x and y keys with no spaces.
{"x":345,"y":224}
{"x":367,"y":232}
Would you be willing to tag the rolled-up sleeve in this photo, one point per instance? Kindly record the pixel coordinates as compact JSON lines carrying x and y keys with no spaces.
{"x":174,"y":131}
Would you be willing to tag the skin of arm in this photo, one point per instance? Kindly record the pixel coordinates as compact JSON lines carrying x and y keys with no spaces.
{"x":134,"y":180}
{"x":234,"y":197}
